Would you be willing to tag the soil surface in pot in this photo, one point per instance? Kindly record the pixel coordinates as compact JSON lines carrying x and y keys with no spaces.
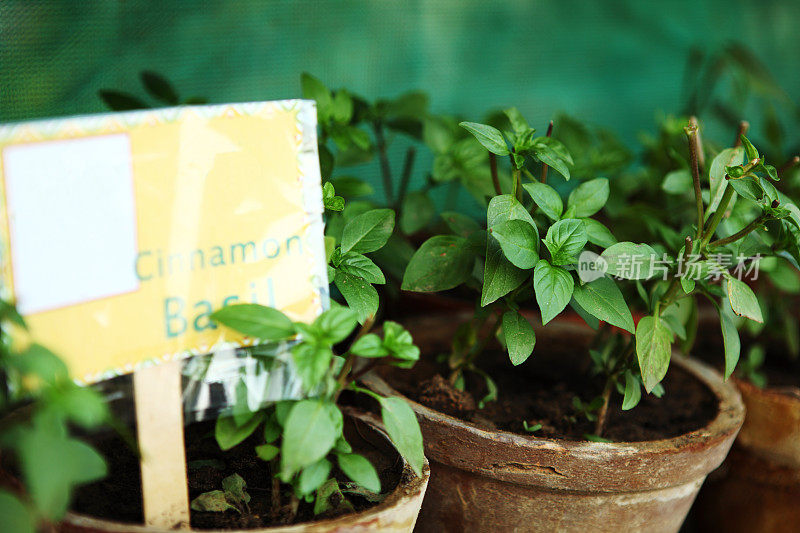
{"x":541,"y":391}
{"x":119,"y":497}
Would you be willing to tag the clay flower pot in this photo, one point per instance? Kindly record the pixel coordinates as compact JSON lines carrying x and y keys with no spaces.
{"x":500,"y":481}
{"x":759,"y":488}
{"x":397,"y":513}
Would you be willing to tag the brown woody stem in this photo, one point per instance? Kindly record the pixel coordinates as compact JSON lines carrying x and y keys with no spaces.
{"x":743,"y":127}
{"x":694,"y":149}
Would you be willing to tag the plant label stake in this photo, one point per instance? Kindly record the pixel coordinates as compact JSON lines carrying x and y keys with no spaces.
{"x":129,"y":229}
{"x":159,"y":426}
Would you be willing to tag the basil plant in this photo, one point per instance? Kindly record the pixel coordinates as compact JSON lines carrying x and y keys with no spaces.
{"x":539,"y":246}
{"x":302,"y":439}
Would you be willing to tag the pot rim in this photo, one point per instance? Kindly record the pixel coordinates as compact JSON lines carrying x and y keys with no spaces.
{"x":774,"y":394}
{"x":408,"y":489}
{"x":548,"y":458}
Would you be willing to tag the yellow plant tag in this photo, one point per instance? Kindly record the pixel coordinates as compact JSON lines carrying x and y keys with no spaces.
{"x":121,"y":233}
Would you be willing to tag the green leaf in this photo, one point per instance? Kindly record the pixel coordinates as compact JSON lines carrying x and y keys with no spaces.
{"x":359,"y":295}
{"x":312,"y":477}
{"x":441,"y":263}
{"x":590,"y":319}
{"x":52,"y":464}
{"x":229,"y":434}
{"x":653,"y":348}
{"x":489,"y":137}
{"x":603,"y":299}
{"x":718,"y":183}
{"x":159,"y":88}
{"x":519,"y":242}
{"x":398,"y":341}
{"x":362,"y":267}
{"x":748,"y":188}
{"x":119,"y":101}
{"x":336,"y":324}
{"x":518,"y":122}
{"x":552,"y":153}
{"x":553,"y":286}
{"x":212,"y":502}
{"x":519,"y":337}
{"x":460,"y":224}
{"x":342,"y":107}
{"x":597,"y":233}
{"x":633,"y":391}
{"x":505,"y":207}
{"x":368,"y":231}
{"x":235,"y":489}
{"x":589,"y":197}
{"x":730,"y":340}
{"x":267,"y":452}
{"x":370,"y":345}
{"x":500,"y":276}
{"x":677,"y":181}
{"x":308,"y":436}
{"x":360,"y":470}
{"x":351,"y":186}
{"x":631,"y":261}
{"x":749,"y":150}
{"x":329,"y":198}
{"x":314,"y":89}
{"x":16,"y":517}
{"x":312,"y":362}
{"x":37,"y":360}
{"x":743,"y":301}
{"x":256,"y":321}
{"x":417,"y":212}
{"x":546,"y":198}
{"x":565,"y":239}
{"x":402,"y":426}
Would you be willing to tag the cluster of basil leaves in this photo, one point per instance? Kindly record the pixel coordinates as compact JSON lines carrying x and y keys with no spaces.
{"x":51,"y":462}
{"x":510,"y":258}
{"x":303,"y":438}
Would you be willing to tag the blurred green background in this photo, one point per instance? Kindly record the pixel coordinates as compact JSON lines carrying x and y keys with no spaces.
{"x":614,"y":63}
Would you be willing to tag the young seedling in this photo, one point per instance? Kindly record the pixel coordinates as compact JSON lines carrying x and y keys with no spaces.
{"x":303,"y":439}
{"x":534,"y":247}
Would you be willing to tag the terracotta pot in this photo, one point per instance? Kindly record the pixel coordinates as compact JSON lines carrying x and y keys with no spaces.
{"x":501,"y":481}
{"x":758,"y":490}
{"x":397,"y":513}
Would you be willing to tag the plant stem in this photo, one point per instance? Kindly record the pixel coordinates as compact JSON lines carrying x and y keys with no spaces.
{"x":603,"y":412}
{"x":405,"y":178}
{"x":694,"y":148}
{"x":621,"y":366}
{"x":716,"y":218}
{"x":350,"y":360}
{"x":386,"y":171}
{"x":544,"y":165}
{"x":788,"y":166}
{"x":701,"y":155}
{"x":495,"y":177}
{"x":517,"y":186}
{"x":755,"y":224}
{"x":275,"y":496}
{"x":743,"y":127}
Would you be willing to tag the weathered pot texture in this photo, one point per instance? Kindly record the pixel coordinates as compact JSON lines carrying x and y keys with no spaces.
{"x":500,"y":481}
{"x":758,"y":490}
{"x":395,"y":514}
